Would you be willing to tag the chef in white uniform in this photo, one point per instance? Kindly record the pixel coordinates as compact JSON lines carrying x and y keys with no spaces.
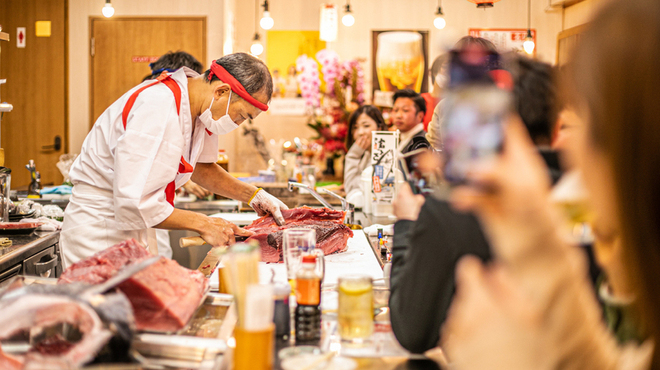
{"x":150,"y":142}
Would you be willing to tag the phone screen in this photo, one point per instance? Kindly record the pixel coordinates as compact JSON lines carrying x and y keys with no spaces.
{"x":473,"y":127}
{"x":421,"y":169}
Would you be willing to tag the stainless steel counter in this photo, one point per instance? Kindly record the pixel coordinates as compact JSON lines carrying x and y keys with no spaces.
{"x":37,"y":254}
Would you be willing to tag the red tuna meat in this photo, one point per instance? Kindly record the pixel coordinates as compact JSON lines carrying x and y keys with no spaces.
{"x":331,"y":233}
{"x":164,"y":296}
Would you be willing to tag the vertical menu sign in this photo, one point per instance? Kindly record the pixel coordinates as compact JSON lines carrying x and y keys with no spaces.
{"x":384,"y":149}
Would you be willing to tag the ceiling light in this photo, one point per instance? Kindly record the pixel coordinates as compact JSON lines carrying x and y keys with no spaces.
{"x":529,"y":44}
{"x":266,"y":21}
{"x":108,"y":11}
{"x":348,"y":19}
{"x":439,"y":22}
{"x":257,"y":48}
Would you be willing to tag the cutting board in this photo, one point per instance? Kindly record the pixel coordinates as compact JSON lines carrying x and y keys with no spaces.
{"x":359,"y":258}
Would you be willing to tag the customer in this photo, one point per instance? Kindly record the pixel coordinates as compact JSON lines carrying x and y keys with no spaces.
{"x":533,"y":307}
{"x":407,"y":114}
{"x":438,"y":72}
{"x":434,"y":133}
{"x":426,"y":251}
{"x":365,"y":120}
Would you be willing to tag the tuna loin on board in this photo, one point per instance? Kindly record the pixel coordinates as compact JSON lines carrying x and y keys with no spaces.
{"x":331,"y":233}
{"x":164,"y":295}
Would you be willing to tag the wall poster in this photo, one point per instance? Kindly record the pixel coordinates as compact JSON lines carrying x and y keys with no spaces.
{"x":400,"y":60}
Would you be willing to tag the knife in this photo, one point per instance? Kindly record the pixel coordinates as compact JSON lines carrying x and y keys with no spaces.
{"x":211,"y":261}
{"x":193,"y":241}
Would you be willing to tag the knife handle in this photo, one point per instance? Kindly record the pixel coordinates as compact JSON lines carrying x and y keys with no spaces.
{"x":191,"y":241}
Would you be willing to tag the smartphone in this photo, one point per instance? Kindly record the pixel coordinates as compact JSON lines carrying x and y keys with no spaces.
{"x":421,"y":169}
{"x":473,"y":127}
{"x":472,"y":66}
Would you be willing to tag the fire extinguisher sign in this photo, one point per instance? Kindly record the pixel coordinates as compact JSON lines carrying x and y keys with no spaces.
{"x":20,"y":37}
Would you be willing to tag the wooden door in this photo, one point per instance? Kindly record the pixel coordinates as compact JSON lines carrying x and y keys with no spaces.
{"x":36,"y":86}
{"x":123,"y":48}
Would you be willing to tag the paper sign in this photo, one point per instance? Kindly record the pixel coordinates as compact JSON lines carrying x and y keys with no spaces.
{"x":287,"y":107}
{"x":384,"y":150}
{"x":505,"y":40}
{"x":20,"y":37}
{"x":42,"y":28}
{"x":383,"y":98}
{"x":329,"y":22}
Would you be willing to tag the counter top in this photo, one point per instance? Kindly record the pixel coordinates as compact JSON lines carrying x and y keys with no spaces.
{"x":23,"y":245}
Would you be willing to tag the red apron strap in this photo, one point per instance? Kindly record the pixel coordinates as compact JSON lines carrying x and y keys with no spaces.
{"x":184,"y":167}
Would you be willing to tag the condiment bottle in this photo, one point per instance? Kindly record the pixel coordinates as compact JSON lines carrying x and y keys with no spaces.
{"x":308,"y":297}
{"x":282,"y":313}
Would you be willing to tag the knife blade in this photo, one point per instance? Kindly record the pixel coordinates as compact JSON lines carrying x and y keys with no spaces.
{"x":211,"y":261}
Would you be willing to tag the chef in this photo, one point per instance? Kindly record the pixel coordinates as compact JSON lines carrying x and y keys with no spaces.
{"x":149,"y":143}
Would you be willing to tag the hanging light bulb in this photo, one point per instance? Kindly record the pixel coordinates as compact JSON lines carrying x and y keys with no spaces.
{"x":439,"y":22}
{"x":108,"y":11}
{"x":348,"y":19}
{"x":266,"y":21}
{"x":257,"y":48}
{"x":529,"y":45}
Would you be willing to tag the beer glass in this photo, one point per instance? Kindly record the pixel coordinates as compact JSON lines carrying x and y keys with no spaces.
{"x":356,"y":308}
{"x":400,"y":61}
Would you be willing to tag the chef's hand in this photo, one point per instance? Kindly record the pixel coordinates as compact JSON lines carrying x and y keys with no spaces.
{"x":266,"y":204}
{"x":363,"y":141}
{"x":221,"y":233}
{"x":407,"y":205}
{"x":196,"y":190}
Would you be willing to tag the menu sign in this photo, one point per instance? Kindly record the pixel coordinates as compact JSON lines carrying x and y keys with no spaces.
{"x":505,"y":39}
{"x":384,"y":149}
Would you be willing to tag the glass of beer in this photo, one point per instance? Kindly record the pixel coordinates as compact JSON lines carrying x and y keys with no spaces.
{"x":295,"y":242}
{"x":400,"y":61}
{"x":356,"y":308}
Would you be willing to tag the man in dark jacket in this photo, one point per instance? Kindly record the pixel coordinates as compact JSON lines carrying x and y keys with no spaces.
{"x":429,"y":242}
{"x":408,"y":113}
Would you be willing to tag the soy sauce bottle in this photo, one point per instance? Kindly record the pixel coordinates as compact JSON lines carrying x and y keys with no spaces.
{"x":308,"y":298}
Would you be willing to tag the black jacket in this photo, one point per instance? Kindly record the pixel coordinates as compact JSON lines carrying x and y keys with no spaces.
{"x":422,"y":278}
{"x":416,"y":142}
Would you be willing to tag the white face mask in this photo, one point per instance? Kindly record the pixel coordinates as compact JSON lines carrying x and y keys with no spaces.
{"x":222,"y":126}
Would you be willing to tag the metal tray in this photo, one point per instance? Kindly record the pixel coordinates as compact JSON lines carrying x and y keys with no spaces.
{"x":184,"y":347}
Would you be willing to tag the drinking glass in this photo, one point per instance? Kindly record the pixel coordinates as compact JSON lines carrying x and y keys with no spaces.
{"x":356,"y":308}
{"x":296,"y":242}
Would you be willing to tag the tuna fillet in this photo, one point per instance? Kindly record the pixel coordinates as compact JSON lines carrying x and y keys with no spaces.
{"x":331,"y":233}
{"x":164,"y":296}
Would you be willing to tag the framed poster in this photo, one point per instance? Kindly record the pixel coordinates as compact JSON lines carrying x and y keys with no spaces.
{"x":400,"y":60}
{"x":505,"y":39}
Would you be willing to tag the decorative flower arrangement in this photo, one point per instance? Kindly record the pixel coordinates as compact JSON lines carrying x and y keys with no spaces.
{"x":342,"y":93}
{"x":308,"y":80}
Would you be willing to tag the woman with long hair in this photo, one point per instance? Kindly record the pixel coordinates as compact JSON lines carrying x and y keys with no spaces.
{"x":533,"y":307}
{"x":365,"y":120}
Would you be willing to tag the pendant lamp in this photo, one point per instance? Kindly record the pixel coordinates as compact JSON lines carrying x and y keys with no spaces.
{"x":484,"y":3}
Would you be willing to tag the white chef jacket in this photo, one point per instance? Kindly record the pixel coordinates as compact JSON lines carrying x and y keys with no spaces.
{"x":121,"y":174}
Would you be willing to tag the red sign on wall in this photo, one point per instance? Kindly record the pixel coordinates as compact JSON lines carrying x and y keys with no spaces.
{"x":505,"y":39}
{"x":143,"y":59}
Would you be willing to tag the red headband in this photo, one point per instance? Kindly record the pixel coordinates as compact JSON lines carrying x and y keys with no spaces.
{"x":226,"y":77}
